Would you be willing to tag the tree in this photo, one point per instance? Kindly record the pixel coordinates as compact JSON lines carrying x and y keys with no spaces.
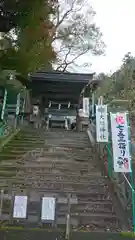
{"x":30,"y":37}
{"x":76,"y":33}
{"x":121,"y":84}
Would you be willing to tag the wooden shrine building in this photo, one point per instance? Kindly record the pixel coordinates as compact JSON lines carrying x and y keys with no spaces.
{"x":60,"y":87}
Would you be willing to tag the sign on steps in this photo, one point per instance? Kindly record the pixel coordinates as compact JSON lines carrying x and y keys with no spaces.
{"x":120,"y":142}
{"x":101,"y":123}
{"x":20,"y":207}
{"x":48,"y":209}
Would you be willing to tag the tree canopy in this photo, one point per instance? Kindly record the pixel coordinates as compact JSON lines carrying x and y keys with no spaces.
{"x":41,"y":33}
{"x":76,"y":33}
{"x":120,"y":84}
{"x":27,"y":47}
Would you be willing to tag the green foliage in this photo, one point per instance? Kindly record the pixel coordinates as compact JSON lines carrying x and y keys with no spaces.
{"x":121,"y":84}
{"x":9,"y":81}
{"x":28,"y":46}
{"x":40,"y":23}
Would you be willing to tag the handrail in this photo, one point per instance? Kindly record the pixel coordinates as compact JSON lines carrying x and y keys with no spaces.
{"x":122,"y":173}
{"x":128,"y":182}
{"x":122,"y":187}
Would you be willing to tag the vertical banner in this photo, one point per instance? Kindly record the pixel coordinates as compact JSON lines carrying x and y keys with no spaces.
{"x":86,"y":106}
{"x":4,"y":105}
{"x":20,"y":207}
{"x":48,"y":208}
{"x":120,"y":142}
{"x":18,"y":104}
{"x":101,"y":123}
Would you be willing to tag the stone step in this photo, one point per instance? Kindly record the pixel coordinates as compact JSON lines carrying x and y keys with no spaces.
{"x":71,"y":145}
{"x":37,"y":154}
{"x":54,"y":184}
{"x":63,"y":152}
{"x":53,"y":175}
{"x":67,"y":172}
{"x":65,"y":184}
{"x":59,"y":188}
{"x":78,"y":220}
{"x":55,"y":132}
{"x":93,"y":216}
{"x":44,"y":173}
{"x":65,"y":138}
{"x":20,"y":145}
{"x":51,"y":139}
{"x":9,"y":156}
{"x":15,"y":151}
{"x":38,"y":181}
{"x":94,"y":197}
{"x":89,"y":209}
{"x":26,"y":139}
{"x":60,"y":165}
{"x":57,"y":163}
{"x":55,"y":135}
{"x":52,"y":143}
{"x":43,"y":155}
{"x":61,"y":198}
{"x":104,"y":221}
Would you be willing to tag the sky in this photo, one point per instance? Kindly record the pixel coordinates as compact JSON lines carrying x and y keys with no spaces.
{"x":116,"y":19}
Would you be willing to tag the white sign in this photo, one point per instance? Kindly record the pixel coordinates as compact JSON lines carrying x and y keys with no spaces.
{"x":20,"y":207}
{"x":18,"y":104}
{"x":48,"y":208}
{"x":86,"y":106}
{"x":120,"y":142}
{"x":4,"y":105}
{"x":101,"y":123}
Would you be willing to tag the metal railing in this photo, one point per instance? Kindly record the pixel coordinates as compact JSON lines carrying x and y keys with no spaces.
{"x":122,"y":186}
{"x":122,"y":182}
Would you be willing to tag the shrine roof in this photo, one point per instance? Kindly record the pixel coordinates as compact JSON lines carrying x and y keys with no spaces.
{"x":60,"y":86}
{"x":59,"y":76}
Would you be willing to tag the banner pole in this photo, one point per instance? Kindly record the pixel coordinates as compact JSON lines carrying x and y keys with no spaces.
{"x":109,"y":150}
{"x":109,"y":158}
{"x":131,"y":176}
{"x":133,"y":201}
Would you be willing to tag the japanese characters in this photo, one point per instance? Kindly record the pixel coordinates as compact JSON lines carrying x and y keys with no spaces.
{"x":120,"y":141}
{"x":101,"y":123}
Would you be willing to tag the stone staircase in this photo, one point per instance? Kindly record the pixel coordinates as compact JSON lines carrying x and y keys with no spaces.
{"x":59,"y":164}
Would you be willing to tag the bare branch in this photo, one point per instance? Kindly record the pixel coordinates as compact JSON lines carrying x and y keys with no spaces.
{"x":65,"y":60}
{"x":59,"y":21}
{"x":76,"y":35}
{"x":66,"y":63}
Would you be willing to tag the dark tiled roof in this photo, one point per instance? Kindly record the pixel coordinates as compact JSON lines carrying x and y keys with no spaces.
{"x":62,"y":76}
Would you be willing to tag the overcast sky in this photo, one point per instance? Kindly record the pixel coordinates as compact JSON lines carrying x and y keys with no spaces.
{"x":116,"y":19}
